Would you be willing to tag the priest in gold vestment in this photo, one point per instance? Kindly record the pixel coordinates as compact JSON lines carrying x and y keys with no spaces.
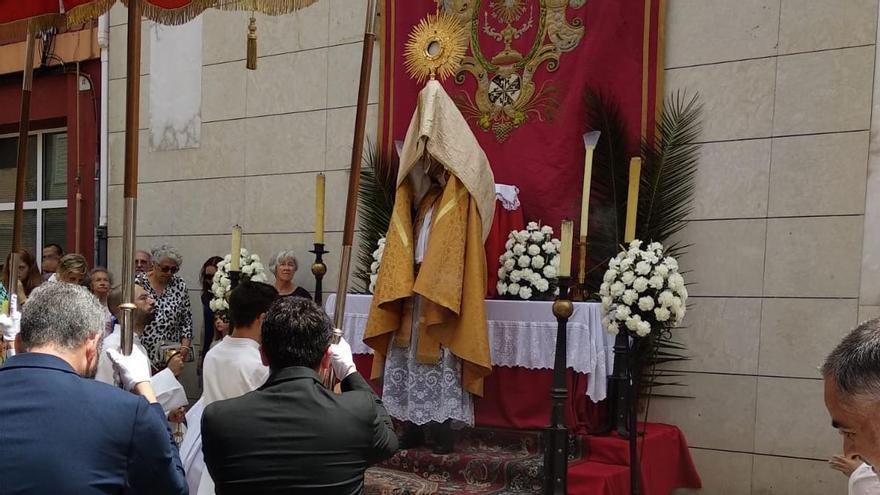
{"x":427,"y":324}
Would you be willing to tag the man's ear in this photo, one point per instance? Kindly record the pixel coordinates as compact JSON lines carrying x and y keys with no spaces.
{"x":263,"y":356}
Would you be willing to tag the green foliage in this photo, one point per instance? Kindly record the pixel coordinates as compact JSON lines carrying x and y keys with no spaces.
{"x":375,"y":204}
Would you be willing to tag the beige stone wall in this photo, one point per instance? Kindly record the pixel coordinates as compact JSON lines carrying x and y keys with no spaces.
{"x":265,"y":134}
{"x":778,"y":231}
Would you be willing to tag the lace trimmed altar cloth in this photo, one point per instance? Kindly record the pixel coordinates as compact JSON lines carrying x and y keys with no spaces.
{"x":521,"y":334}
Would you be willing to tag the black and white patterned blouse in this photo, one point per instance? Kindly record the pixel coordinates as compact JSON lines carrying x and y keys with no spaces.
{"x":172,"y":319}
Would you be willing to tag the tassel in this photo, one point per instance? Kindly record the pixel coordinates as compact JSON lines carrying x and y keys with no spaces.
{"x":252,"y":44}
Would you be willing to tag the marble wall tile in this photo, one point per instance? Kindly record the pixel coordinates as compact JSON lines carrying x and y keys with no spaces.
{"x":869,"y":293}
{"x":721,"y":414}
{"x":301,"y":30}
{"x":805,"y":25}
{"x":280,"y":203}
{"x":170,"y":208}
{"x":221,"y":154}
{"x":792,"y":419}
{"x":286,"y":143}
{"x":722,"y":473}
{"x":737,"y":97}
{"x":721,"y":335}
{"x":116,"y":156}
{"x":825,"y":91}
{"x":343,"y":75}
{"x":732,"y":180}
{"x":347,"y":21}
{"x":797,"y":334}
{"x":711,"y":31}
{"x":799,"y":251}
{"x":224,"y":38}
{"x":739,"y":242}
{"x":340,"y":134}
{"x":118,"y":48}
{"x":819,"y":175}
{"x":293,"y":82}
{"x":224,"y":90}
{"x":784,"y":476}
{"x":118,"y":14}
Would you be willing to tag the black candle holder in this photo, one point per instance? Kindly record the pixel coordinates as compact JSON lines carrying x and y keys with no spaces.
{"x":319,"y":269}
{"x":556,"y":435}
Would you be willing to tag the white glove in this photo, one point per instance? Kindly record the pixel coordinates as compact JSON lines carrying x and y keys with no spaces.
{"x":341,"y":359}
{"x":131,"y":369}
{"x":10,"y":325}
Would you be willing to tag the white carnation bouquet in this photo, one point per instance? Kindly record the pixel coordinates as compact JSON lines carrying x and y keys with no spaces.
{"x":642,"y":291}
{"x":251,"y":269}
{"x":530,"y":263}
{"x":377,"y":261}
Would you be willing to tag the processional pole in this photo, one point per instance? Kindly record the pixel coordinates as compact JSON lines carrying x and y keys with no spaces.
{"x":132,"y":118}
{"x":24,"y":125}
{"x":357,"y":152}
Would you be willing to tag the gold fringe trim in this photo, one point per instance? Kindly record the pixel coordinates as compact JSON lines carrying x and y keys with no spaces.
{"x":86,"y":13}
{"x":190,"y":11}
{"x":268,"y":7}
{"x":18,"y":30}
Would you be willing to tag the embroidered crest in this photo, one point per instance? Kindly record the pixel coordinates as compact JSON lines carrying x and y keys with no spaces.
{"x":510,"y":42}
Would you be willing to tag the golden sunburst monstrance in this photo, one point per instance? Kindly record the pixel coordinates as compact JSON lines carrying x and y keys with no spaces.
{"x":435,"y":47}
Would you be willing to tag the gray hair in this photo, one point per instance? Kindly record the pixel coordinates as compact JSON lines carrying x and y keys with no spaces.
{"x":854,"y":364}
{"x":64,"y":315}
{"x":166,"y":251}
{"x":280,"y":255}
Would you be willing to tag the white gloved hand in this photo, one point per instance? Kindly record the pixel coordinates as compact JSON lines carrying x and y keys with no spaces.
{"x":131,"y":369}
{"x":10,"y":326}
{"x":341,"y":359}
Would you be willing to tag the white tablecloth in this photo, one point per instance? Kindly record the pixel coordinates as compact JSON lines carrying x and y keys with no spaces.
{"x":522,"y":333}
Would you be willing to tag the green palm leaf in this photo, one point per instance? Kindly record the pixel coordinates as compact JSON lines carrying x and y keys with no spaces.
{"x":375,"y":204}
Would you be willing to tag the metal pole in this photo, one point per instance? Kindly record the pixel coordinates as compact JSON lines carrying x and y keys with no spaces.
{"x":556,"y":435}
{"x":132,"y":117}
{"x":24,"y":125}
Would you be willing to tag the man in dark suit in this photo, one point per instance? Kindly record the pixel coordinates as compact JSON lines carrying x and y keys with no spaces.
{"x":293,"y":435}
{"x":64,"y":433}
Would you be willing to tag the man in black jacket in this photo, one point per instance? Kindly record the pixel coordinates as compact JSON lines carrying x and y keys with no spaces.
{"x":293,"y":435}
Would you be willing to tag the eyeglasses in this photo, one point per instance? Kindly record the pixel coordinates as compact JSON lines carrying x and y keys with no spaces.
{"x":167,"y":269}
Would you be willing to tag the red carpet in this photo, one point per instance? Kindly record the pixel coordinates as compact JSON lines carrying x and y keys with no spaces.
{"x":493,"y":461}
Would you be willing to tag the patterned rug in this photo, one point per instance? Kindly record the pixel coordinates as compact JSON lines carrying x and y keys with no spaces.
{"x":486,"y":461}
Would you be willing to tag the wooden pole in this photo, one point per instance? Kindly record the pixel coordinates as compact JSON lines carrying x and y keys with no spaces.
{"x":354,"y":177}
{"x":357,"y":153}
{"x":132,"y":117}
{"x":24,"y":125}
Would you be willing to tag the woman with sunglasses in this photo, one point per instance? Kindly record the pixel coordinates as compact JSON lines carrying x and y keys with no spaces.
{"x":172,"y":319}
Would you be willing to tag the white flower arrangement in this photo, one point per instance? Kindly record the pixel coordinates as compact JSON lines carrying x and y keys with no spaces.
{"x":529,"y":266}
{"x":642,"y":291}
{"x":377,"y":261}
{"x":251,"y":269}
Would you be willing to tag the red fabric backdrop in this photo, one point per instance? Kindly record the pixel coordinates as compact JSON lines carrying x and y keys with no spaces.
{"x":544,"y":156}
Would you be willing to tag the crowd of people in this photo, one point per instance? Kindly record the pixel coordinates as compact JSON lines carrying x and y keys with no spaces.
{"x":82,"y":417}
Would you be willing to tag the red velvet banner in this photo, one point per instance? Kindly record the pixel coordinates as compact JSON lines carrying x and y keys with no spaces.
{"x":531,"y":64}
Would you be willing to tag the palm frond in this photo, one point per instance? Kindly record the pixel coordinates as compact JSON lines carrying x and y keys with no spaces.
{"x":609,"y":185}
{"x":375,"y":204}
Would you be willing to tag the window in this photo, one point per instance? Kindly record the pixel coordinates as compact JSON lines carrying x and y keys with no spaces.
{"x":45,"y":198}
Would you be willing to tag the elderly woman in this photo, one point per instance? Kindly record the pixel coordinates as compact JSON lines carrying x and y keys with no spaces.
{"x":172,"y":319}
{"x":283,"y":265}
{"x":99,"y":283}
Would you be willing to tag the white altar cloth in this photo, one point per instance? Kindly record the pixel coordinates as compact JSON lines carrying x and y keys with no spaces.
{"x":521,"y":333}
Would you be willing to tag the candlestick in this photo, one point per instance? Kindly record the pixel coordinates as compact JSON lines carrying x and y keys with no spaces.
{"x":319,"y":269}
{"x":320,"y":181}
{"x":565,"y":251}
{"x":632,"y":199}
{"x":590,"y":140}
{"x":235,"y":252}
